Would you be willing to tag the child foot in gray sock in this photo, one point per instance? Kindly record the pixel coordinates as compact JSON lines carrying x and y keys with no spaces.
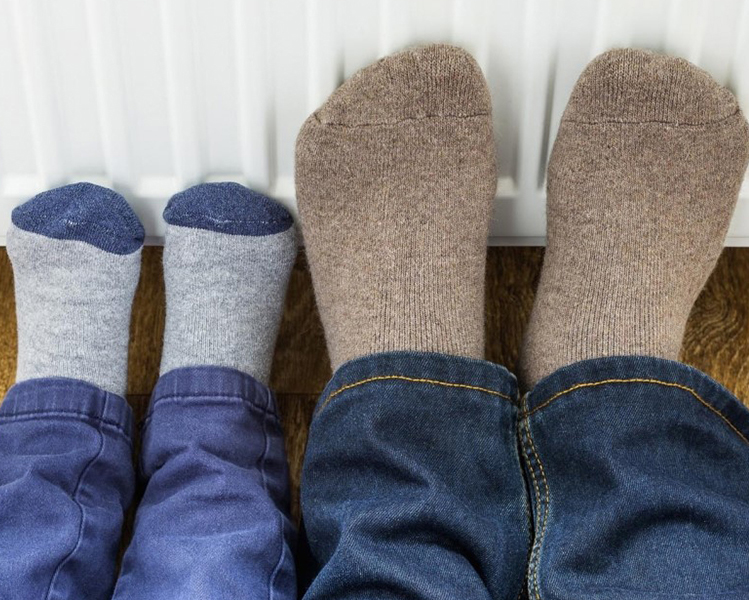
{"x":76,"y":260}
{"x":227,"y":259}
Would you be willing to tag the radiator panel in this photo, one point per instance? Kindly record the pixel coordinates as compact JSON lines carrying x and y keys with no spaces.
{"x":151,"y":96}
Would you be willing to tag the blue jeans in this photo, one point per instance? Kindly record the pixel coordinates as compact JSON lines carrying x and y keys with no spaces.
{"x":213,"y":522}
{"x":426,"y":476}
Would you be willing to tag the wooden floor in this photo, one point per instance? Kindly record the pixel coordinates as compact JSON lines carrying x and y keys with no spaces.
{"x":717,"y":338}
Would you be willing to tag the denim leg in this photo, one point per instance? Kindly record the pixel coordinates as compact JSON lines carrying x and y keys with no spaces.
{"x":639,"y":469}
{"x":412,"y":484}
{"x":214,"y":520}
{"x":66,"y":478}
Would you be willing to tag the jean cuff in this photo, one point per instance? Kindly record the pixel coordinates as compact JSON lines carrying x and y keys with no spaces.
{"x":421,"y":367}
{"x":615,"y":370}
{"x":61,"y":397}
{"x":206,"y":384}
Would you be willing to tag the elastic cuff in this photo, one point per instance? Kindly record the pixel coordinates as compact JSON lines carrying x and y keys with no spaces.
{"x":422,"y":367}
{"x":64,"y":397}
{"x":640,"y":369}
{"x":212,"y":383}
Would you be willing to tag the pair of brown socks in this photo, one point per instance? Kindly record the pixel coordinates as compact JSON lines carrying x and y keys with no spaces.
{"x":396,"y":175}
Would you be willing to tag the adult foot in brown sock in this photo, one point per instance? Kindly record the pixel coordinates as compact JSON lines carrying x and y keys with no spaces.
{"x":642,"y":183}
{"x":395,"y":178}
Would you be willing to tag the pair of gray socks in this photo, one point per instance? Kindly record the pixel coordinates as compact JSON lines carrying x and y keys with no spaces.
{"x":76,"y":251}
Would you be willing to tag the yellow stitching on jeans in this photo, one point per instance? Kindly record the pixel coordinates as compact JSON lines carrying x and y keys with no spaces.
{"x":546,"y":508}
{"x":653,"y":381}
{"x":537,"y":521}
{"x":538,"y":501}
{"x":412,"y":380}
{"x":529,"y":552}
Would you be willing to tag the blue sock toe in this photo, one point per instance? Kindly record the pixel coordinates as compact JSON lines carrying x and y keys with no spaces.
{"x":227,"y":208}
{"x":85,"y":212}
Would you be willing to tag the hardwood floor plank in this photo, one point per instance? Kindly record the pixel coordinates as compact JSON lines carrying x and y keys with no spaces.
{"x":8,"y":338}
{"x":716,"y":340}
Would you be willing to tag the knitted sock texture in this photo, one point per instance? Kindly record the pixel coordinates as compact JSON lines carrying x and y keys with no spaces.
{"x":642,"y":182}
{"x":395,"y":178}
{"x":75,"y":252}
{"x":228,"y":256}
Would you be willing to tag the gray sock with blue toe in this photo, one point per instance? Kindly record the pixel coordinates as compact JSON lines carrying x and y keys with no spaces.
{"x":75,"y":252}
{"x":228,"y":256}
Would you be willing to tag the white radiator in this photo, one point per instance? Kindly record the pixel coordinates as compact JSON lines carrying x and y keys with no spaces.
{"x":151,"y":96}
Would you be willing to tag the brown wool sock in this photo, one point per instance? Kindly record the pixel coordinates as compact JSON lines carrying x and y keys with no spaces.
{"x":395,"y":178}
{"x":642,"y":183}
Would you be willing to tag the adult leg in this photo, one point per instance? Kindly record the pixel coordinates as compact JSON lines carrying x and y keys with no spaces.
{"x":412,"y":486}
{"x":638,"y":464}
{"x":639,"y":469}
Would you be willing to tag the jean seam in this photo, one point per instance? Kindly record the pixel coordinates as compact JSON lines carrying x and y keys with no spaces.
{"x":56,"y":384}
{"x":262,"y":461}
{"x":542,"y":517}
{"x":177,"y":396}
{"x":528,"y":520}
{"x":81,"y":510}
{"x":536,"y":519}
{"x":281,"y":556}
{"x":35,"y":414}
{"x":449,"y":384}
{"x":264,"y":410}
{"x":264,"y":455}
{"x":528,"y":516}
{"x":547,"y":505}
{"x":671,"y":384}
